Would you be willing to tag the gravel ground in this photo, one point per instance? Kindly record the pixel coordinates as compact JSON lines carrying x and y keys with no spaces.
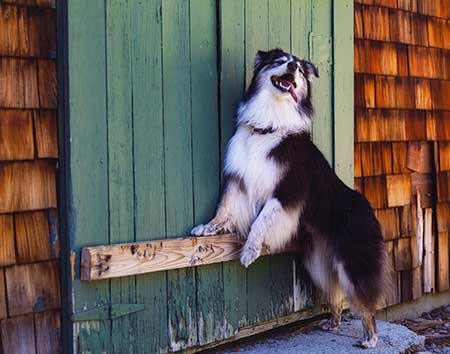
{"x":435,"y":326}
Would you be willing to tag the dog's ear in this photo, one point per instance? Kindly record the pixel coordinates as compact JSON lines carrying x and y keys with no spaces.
{"x":260,"y":59}
{"x":309,"y":69}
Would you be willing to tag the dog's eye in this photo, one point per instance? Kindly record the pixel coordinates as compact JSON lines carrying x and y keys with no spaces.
{"x":279,"y":61}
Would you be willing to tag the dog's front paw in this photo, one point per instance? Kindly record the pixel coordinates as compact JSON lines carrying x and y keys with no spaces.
{"x":205,"y":230}
{"x":366,"y":343}
{"x":249,"y":255}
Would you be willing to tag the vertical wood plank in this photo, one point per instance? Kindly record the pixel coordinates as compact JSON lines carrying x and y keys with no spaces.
{"x":120,"y":161}
{"x":88,"y":217}
{"x":181,"y":287}
{"x":232,"y":88}
{"x":343,"y":89}
{"x":281,"y":269}
{"x":257,"y":38}
{"x":320,"y":42}
{"x":149,"y":180}
{"x":206,"y":160}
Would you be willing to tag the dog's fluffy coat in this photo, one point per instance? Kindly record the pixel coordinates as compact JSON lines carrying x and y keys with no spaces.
{"x":279,"y":189}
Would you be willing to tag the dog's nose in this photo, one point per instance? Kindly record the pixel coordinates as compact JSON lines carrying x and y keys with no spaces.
{"x":292,"y":66}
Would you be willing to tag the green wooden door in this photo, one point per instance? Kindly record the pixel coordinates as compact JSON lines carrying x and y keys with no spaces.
{"x":148,"y":90}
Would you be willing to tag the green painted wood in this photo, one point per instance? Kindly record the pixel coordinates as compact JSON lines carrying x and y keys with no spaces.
{"x":206,"y":160}
{"x":281,"y":269}
{"x":181,"y":304}
{"x":88,"y":171}
{"x":149,"y":178}
{"x":154,"y":86}
{"x":232,"y":88}
{"x":120,"y":161}
{"x":343,"y":89}
{"x":320,"y":42}
{"x":257,"y":38}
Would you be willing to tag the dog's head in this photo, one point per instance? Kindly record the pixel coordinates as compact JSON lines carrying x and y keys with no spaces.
{"x":283,"y":75}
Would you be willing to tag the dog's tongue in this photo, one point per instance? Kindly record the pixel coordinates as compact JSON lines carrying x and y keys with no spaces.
{"x":293,"y":93}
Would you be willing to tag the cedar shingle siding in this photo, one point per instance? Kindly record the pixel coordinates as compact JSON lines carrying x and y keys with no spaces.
{"x":29,"y":247}
{"x":402,"y":134}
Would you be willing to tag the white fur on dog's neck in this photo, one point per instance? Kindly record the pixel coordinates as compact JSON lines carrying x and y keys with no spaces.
{"x":272,"y":110}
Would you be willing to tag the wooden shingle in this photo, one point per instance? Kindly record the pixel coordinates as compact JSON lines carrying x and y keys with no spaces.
{"x":415,"y":124}
{"x":443,"y":216}
{"x":419,"y":157}
{"x":443,"y":261}
{"x":33,"y":237}
{"x":407,"y":220}
{"x":394,"y":279}
{"x":386,"y":3}
{"x":48,"y":332}
{"x":3,"y":300}
{"x":18,"y":83}
{"x":33,"y":287}
{"x":358,"y":24}
{"x":42,"y":32}
{"x":399,"y":157}
{"x":389,"y":222}
{"x":9,"y":29}
{"x":438,"y":8}
{"x":357,"y":160}
{"x":402,"y":254}
{"x":45,"y":122}
{"x":398,"y":190}
{"x":406,"y":285}
{"x":369,"y":91}
{"x":376,"y":23}
{"x":440,"y":92}
{"x":16,"y":135}
{"x":402,"y":60}
{"x":47,"y":83}
{"x":359,"y":90}
{"x":386,"y":155}
{"x":375,"y":191}
{"x":419,"y":60}
{"x":7,"y":246}
{"x":395,"y":92}
{"x":18,"y":335}
{"x":439,"y":32}
{"x":378,"y":58}
{"x":444,"y":156}
{"x":423,"y":94}
{"x":27,"y":186}
{"x":438,"y":125}
{"x":423,"y":183}
{"x":409,"y":5}
{"x":443,"y":186}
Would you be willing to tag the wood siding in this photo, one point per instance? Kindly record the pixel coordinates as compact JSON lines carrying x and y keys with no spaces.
{"x":151,"y":93}
{"x":29,"y":242}
{"x":402,"y":95}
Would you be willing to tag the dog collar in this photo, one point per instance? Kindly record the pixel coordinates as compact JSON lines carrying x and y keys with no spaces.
{"x":262,"y":131}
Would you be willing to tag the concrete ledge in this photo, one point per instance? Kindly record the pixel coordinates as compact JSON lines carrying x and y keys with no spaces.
{"x":393,"y":339}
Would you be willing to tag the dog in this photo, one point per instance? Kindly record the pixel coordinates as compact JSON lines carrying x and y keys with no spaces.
{"x":279,"y":190}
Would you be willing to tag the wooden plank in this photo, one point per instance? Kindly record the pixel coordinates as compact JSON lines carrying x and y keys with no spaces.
{"x":438,"y":32}
{"x":423,"y":94}
{"x":375,"y":191}
{"x":149,"y":184}
{"x":376,"y":23}
{"x":428,"y":260}
{"x":87,"y":216}
{"x":443,"y":186}
{"x":33,"y":287}
{"x":444,"y":156}
{"x":182,"y":327}
{"x":257,"y":38}
{"x":392,"y":297}
{"x":33,"y":238}
{"x":27,"y":186}
{"x":398,"y":190}
{"x":18,"y":335}
{"x":406,"y":280}
{"x":440,"y":90}
{"x":7,"y":245}
{"x":395,"y":92}
{"x":399,"y":157}
{"x":102,"y":262}
{"x":16,"y":135}
{"x":120,"y":160}
{"x":443,"y":261}
{"x":232,"y":87}
{"x":343,"y":89}
{"x":45,"y":123}
{"x":390,"y":223}
{"x":47,"y":327}
{"x":9,"y":33}
{"x":206,"y":160}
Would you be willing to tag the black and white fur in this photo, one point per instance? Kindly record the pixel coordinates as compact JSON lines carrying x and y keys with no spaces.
{"x":280,"y":189}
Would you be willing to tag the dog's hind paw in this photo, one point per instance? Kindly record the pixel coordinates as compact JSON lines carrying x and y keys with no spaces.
{"x":206,"y":230}
{"x":367,"y":343}
{"x":329,"y":325}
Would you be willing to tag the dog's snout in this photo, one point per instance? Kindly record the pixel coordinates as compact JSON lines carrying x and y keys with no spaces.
{"x":292,"y":66}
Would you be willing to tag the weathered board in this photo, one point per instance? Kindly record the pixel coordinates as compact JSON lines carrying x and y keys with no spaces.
{"x":147,"y":99}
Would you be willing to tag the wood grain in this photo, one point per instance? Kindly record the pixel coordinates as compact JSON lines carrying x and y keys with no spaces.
{"x":7,"y":245}
{"x":16,"y":135}
{"x":47,"y":327}
{"x":102,"y":262}
{"x":18,"y":335}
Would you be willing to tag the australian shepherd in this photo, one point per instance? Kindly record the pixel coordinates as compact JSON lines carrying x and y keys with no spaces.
{"x":279,"y":189}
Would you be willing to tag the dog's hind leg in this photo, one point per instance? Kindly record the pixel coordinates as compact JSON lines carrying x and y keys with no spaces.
{"x":335,"y":297}
{"x":370,"y":337}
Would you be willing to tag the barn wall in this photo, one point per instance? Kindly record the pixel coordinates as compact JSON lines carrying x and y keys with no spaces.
{"x":29,"y":250}
{"x":402,"y":134}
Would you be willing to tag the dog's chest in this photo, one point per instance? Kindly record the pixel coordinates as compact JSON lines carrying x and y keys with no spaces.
{"x":248,"y":157}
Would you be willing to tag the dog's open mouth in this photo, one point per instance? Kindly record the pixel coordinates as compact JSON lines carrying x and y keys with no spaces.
{"x":285,"y":83}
